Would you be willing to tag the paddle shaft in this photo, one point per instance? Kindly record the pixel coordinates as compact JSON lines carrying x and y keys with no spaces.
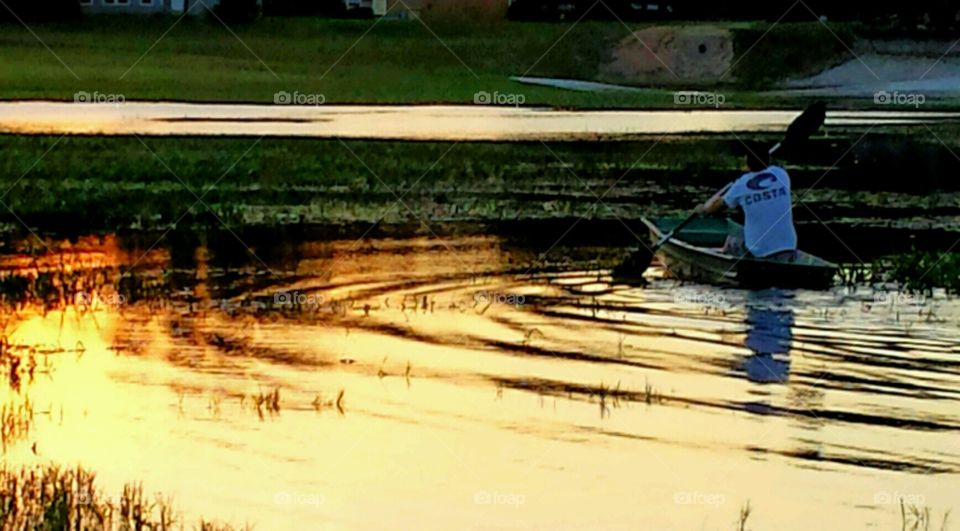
{"x":693,"y":215}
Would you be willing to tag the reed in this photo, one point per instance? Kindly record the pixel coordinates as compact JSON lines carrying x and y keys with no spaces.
{"x":16,"y":421}
{"x":319,"y":403}
{"x":745,"y":512}
{"x":51,"y":497}
{"x":651,"y":395}
{"x":920,"y":518}
{"x":267,"y":403}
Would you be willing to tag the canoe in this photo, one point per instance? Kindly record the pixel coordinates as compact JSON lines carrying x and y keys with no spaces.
{"x":695,"y":254}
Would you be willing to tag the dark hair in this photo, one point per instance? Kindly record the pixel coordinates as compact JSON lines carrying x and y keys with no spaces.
{"x":758,"y":157}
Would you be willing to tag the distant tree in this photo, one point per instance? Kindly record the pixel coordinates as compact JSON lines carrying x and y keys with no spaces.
{"x":237,"y":11}
{"x":942,"y":15}
{"x":35,"y":11}
{"x":933,"y":14}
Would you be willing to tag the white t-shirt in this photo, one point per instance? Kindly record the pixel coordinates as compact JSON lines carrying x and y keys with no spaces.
{"x":767,"y":204}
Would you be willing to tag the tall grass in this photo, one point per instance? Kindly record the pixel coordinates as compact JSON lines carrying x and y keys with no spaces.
{"x":55,"y":498}
{"x":922,"y":271}
{"x":921,"y":518}
{"x":16,"y":420}
{"x":72,"y":186}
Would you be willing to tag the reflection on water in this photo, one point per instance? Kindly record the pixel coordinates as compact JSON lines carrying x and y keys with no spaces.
{"x":402,"y":381}
{"x":769,"y":337}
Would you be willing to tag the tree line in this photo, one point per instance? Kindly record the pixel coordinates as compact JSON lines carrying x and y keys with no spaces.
{"x":942,"y":15}
{"x":934,"y":14}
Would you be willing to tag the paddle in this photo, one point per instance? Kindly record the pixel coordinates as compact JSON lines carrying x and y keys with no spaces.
{"x":802,"y":128}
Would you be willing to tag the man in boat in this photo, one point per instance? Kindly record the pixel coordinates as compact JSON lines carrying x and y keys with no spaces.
{"x":764,"y":195}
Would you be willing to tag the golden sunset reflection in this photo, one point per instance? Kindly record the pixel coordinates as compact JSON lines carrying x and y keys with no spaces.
{"x":470,"y":398}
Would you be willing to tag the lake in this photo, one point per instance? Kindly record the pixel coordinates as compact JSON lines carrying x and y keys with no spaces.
{"x":323,"y":382}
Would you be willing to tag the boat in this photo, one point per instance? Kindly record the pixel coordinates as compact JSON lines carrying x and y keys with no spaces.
{"x":695,"y":254}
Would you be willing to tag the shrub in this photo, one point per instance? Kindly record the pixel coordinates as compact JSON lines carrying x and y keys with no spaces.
{"x":923,"y":271}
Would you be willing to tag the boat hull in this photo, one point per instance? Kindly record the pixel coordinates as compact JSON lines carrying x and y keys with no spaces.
{"x":695,"y":255}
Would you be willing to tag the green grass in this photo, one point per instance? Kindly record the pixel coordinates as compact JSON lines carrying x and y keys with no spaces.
{"x":351,"y":61}
{"x":913,"y":271}
{"x":95,"y":183}
{"x":923,"y":270}
{"x":72,"y":184}
{"x":201,"y":60}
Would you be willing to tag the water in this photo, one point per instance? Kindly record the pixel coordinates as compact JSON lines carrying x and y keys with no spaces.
{"x":479,"y":390}
{"x":412,"y":122}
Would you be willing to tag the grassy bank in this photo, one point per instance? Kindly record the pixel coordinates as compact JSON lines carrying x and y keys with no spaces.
{"x":101,"y":184}
{"x":358,"y":60}
{"x":111,"y":183}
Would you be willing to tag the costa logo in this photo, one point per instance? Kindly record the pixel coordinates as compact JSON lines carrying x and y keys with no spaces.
{"x":762,"y":181}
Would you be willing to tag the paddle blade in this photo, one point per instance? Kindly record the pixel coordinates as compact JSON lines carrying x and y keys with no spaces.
{"x":805,"y":125}
{"x":634,"y":265}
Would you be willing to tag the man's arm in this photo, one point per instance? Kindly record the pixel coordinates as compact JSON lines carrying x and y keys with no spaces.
{"x":715,"y":203}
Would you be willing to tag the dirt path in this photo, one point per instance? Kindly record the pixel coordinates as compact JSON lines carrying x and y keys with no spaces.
{"x":923,"y":77}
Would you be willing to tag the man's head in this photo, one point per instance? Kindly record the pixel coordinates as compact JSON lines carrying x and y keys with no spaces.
{"x":758,"y":157}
